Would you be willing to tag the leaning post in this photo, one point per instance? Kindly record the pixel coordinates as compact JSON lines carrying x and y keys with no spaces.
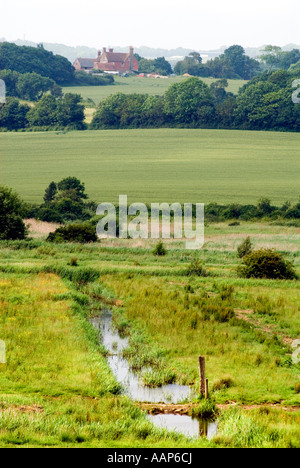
{"x":202,"y":374}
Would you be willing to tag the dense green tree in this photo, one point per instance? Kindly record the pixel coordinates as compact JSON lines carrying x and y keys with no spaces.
{"x":58,"y":113}
{"x":189,"y":102}
{"x":65,"y":201}
{"x":12,"y":226}
{"x":31,"y":86}
{"x":266,"y":103}
{"x":72,"y":187}
{"x":159,"y":65}
{"x":45,"y":113}
{"x":71,"y":111}
{"x":28,"y":86}
{"x":192,"y":65}
{"x":50,"y":192}
{"x":120,"y":111}
{"x":24,"y":59}
{"x":13,"y":115}
{"x":234,"y":63}
{"x":275,"y":58}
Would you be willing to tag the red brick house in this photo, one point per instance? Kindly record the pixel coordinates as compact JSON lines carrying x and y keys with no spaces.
{"x":109,"y":61}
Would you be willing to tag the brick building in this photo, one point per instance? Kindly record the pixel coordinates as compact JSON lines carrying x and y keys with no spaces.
{"x":109,"y":61}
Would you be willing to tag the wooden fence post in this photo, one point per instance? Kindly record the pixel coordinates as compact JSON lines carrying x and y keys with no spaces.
{"x":206,"y":389}
{"x":202,"y":374}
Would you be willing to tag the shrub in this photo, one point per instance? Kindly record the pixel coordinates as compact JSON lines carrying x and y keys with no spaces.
{"x":74,"y":261}
{"x":245,"y":248}
{"x":196,"y":268}
{"x":78,"y":275}
{"x":160,"y":250}
{"x":225,"y":382}
{"x":207,"y":409}
{"x":82,"y":233}
{"x":266,"y":263}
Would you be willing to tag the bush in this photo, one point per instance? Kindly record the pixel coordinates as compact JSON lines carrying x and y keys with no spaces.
{"x":225,"y":382}
{"x":196,"y":268}
{"x":297,"y":387}
{"x":245,"y":248}
{"x":267,"y":263}
{"x":82,"y":233}
{"x":160,"y":250}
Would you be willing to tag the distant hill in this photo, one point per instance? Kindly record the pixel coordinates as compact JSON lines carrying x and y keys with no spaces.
{"x":172,"y":55}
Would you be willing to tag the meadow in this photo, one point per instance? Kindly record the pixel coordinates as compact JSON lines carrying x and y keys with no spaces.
{"x":130,"y":85}
{"x":171,"y":165}
{"x":45,"y":303}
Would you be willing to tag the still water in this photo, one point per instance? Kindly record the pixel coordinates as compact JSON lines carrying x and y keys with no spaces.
{"x":115,"y":344}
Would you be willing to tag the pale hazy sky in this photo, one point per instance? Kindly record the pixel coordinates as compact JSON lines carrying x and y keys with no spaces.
{"x":194,"y":24}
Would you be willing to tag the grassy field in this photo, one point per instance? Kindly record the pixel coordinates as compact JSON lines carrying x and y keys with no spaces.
{"x":156,"y":165}
{"x":141,"y":86}
{"x":49,"y":401}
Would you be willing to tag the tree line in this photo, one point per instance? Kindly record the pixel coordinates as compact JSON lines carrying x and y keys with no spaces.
{"x":235,"y":64}
{"x":264,"y":103}
{"x":67,"y":202}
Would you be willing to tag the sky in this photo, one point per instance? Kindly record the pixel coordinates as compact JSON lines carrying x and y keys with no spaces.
{"x":194,"y":24}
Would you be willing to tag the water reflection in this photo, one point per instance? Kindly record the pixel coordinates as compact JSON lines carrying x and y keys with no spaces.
{"x":190,"y":427}
{"x":115,"y":344}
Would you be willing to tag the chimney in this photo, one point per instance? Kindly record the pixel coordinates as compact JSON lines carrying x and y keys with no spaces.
{"x":131,"y":57}
{"x":99,"y":53}
{"x":111,"y":50}
{"x":104,"y":50}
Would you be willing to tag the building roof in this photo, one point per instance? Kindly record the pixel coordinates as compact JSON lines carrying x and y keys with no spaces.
{"x":115,"y":56}
{"x":86,"y":62}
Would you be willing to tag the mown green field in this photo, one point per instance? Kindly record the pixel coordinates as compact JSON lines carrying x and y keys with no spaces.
{"x":131,"y":85}
{"x":156,"y":165}
{"x":56,"y":389}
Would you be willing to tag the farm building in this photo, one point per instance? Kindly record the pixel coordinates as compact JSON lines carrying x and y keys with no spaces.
{"x":109,"y":61}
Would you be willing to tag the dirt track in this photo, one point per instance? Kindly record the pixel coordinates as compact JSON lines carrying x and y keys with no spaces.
{"x":161,"y":408}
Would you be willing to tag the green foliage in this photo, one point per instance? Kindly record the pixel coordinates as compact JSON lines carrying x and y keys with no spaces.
{"x":13,"y":115}
{"x":26,"y":59}
{"x":159,"y":65}
{"x":189,"y":103}
{"x":245,"y":248}
{"x":58,"y":113}
{"x":12,"y":226}
{"x":81,"y":233}
{"x":265,"y":103}
{"x":129,"y":111}
{"x":266,"y":263}
{"x":196,"y":268}
{"x":232,"y":64}
{"x":192,"y":65}
{"x":50,"y":192}
{"x":223,"y":383}
{"x":275,"y":58}
{"x":28,"y":86}
{"x":84,"y":79}
{"x":160,"y":249}
{"x":64,"y":201}
{"x":206,"y":409}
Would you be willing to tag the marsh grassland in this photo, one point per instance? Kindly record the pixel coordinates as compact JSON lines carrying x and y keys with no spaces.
{"x":56,"y":388}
